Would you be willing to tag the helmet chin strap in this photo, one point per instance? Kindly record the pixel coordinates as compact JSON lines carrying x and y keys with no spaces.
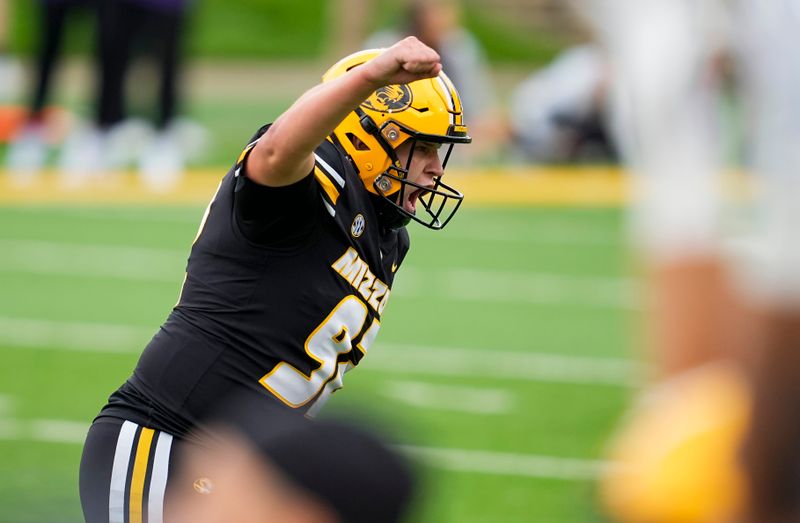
{"x":388,"y":214}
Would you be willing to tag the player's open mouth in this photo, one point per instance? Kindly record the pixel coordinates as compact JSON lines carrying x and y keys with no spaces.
{"x":411,"y":202}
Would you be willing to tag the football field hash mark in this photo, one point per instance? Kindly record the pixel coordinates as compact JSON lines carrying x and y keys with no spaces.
{"x":388,"y":357}
{"x":460,"y":284}
{"x":86,"y":260}
{"x":450,"y":397}
{"x":510,"y":464}
{"x":470,"y":461}
{"x":504,"y":365}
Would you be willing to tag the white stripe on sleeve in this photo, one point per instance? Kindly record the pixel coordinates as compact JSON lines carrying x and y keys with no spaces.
{"x":330,"y":170}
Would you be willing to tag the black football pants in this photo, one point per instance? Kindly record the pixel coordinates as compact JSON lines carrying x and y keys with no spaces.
{"x":124,"y":472}
{"x":126,"y":27}
{"x":54,"y":16}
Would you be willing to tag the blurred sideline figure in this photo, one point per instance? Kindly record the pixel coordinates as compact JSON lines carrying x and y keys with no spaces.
{"x":114,"y":142}
{"x":437,"y":23}
{"x":558,"y":114}
{"x":28,"y":150}
{"x":349,"y":20}
{"x":715,"y":437}
{"x":3,"y":28}
{"x":159,"y":24}
{"x":275,"y":466}
{"x":110,"y":140}
{"x":9,"y":66}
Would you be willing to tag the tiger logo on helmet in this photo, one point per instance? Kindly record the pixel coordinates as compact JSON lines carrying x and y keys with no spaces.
{"x":427,"y":110}
{"x":389,"y":99}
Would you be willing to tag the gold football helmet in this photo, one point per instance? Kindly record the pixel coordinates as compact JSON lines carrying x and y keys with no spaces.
{"x":423,"y":111}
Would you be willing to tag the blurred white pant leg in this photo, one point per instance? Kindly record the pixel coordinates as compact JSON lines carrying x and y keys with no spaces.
{"x":664,"y":97}
{"x":769,"y":51}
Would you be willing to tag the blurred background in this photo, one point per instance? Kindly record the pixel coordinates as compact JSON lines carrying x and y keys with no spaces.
{"x":504,"y":360}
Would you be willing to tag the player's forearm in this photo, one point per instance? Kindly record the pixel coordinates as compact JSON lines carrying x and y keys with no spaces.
{"x":285,"y":153}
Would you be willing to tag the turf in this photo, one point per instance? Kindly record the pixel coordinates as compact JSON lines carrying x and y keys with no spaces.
{"x":437,"y":304}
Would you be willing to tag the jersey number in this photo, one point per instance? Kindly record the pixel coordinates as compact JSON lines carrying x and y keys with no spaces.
{"x":332,"y":337}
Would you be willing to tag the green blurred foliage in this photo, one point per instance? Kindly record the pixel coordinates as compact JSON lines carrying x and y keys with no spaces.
{"x":24,"y":24}
{"x":503,"y":45}
{"x":501,"y":42}
{"x":289,"y":30}
{"x":275,"y":29}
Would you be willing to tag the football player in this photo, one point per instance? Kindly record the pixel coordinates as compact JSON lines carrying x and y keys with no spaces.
{"x":291,"y":269}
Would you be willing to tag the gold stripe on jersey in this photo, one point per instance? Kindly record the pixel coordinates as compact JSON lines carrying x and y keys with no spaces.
{"x":245,"y":152}
{"x":139,"y":474}
{"x":327,"y":185}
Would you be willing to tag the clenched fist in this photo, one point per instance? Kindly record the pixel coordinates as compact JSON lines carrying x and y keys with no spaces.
{"x":406,"y":61}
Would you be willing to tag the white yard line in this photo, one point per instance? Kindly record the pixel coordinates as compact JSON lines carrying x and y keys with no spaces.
{"x":488,"y":363}
{"x":191,"y":215}
{"x":519,"y":287}
{"x":58,"y":431}
{"x":473,"y":400}
{"x":75,"y":336}
{"x":519,"y":232}
{"x":539,"y":235}
{"x":155,"y":214}
{"x":387,"y":357}
{"x":109,"y":261}
{"x":509,"y":464}
{"x":460,"y":284}
{"x":472,"y":461}
{"x":549,"y":289}
{"x":44,"y":430}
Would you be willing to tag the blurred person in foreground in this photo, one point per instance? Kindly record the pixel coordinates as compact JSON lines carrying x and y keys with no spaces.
{"x":438,"y":24}
{"x":278,"y":466}
{"x":714,"y":437}
{"x":292,"y":267}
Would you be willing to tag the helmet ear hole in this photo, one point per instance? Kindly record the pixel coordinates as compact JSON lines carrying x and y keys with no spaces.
{"x":357,"y":142}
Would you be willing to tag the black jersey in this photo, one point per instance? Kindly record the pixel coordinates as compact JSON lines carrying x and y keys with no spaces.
{"x":283,"y":294}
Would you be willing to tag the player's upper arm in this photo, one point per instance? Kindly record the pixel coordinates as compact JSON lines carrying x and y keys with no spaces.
{"x":274,"y":161}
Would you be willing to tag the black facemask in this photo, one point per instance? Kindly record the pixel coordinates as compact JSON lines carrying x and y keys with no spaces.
{"x":439,"y":202}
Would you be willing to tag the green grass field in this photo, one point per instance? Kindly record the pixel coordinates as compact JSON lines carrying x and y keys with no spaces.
{"x":502,"y":362}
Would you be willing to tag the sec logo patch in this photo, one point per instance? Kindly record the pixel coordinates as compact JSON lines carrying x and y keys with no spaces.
{"x":359,"y":224}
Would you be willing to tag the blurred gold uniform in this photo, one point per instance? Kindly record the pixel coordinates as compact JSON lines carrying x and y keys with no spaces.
{"x":677,"y":458}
